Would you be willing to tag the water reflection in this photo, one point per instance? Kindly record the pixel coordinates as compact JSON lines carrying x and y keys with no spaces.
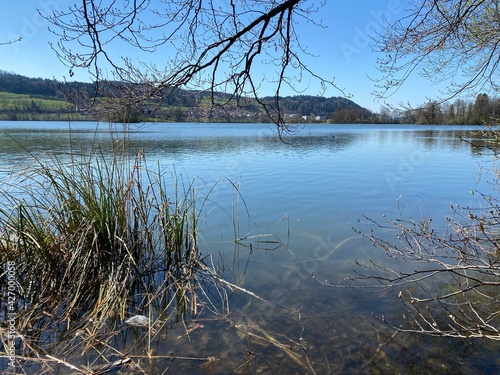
{"x":322,"y":183}
{"x":222,"y":138}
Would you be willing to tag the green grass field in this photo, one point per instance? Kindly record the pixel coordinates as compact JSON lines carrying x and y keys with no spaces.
{"x":10,"y":101}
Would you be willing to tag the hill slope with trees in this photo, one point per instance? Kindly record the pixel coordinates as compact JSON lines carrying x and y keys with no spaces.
{"x":24,"y":98}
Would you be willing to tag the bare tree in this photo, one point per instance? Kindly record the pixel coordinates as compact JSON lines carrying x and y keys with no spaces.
{"x":454,"y":41}
{"x":214,"y":46}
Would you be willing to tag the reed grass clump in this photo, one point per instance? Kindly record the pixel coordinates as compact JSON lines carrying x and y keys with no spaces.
{"x":97,"y":236}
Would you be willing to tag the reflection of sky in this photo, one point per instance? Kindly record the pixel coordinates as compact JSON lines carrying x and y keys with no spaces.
{"x":329,"y":174}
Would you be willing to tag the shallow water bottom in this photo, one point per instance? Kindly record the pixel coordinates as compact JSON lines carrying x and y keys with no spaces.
{"x":314,"y":340}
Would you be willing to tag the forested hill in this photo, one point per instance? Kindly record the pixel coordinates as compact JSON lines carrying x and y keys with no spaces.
{"x":36,"y":87}
{"x":47,"y":99}
{"x":305,"y":105}
{"x":30,"y":86}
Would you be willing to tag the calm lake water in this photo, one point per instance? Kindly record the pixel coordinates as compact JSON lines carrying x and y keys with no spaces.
{"x":308,"y":194}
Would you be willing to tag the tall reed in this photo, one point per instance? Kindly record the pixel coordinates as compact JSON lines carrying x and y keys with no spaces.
{"x":98,"y":234}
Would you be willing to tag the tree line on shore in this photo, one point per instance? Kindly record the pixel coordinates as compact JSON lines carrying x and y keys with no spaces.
{"x":27,"y":98}
{"x":44,"y":99}
{"x":481,"y":111}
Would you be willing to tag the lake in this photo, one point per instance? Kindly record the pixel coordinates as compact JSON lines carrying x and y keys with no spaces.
{"x":298,"y":205}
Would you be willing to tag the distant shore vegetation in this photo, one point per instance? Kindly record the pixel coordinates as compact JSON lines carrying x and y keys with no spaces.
{"x":36,"y":99}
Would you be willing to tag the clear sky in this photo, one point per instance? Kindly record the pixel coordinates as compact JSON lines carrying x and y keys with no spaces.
{"x":343,"y":48}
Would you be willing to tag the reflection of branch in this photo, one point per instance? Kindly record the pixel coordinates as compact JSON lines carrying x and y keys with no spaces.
{"x":11,"y":42}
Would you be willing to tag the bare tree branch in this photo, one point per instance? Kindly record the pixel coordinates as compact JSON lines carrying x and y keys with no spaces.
{"x":10,"y":42}
{"x":452,"y":287}
{"x":219,"y":47}
{"x":444,"y":41}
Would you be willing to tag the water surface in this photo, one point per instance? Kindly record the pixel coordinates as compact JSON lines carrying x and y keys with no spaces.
{"x":310,"y":193}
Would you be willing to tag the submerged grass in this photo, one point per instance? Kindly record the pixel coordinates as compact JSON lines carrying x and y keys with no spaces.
{"x":96,"y":237}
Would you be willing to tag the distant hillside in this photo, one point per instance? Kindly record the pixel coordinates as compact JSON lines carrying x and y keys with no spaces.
{"x":305,"y":105}
{"x":35,"y":94}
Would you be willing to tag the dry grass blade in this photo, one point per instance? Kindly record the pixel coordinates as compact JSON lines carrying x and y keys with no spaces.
{"x":263,"y":336}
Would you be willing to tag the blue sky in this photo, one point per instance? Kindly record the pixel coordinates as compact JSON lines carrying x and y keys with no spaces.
{"x":342,"y":49}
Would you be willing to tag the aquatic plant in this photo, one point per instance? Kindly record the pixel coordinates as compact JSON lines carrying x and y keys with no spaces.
{"x":91,"y":237}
